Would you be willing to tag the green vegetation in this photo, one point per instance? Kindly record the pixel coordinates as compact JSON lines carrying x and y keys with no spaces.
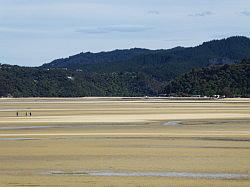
{"x":33,"y":82}
{"x":137,"y":72}
{"x":228,"y":80}
{"x":162,"y":65}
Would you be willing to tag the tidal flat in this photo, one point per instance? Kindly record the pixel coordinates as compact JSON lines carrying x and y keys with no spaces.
{"x":124,"y":142}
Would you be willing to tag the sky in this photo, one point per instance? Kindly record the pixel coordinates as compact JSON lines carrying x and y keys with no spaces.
{"x":33,"y":32}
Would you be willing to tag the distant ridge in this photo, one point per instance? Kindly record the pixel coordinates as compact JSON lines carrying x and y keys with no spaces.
{"x":76,"y":61}
{"x":163,"y":65}
{"x":211,"y":68}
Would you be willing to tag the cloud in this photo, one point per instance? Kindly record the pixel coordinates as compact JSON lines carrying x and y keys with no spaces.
{"x":245,"y":13}
{"x":154,"y":12}
{"x":201,"y":14}
{"x":114,"y":28}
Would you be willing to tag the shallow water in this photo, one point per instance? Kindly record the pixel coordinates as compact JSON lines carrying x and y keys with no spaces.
{"x":27,"y":127}
{"x":18,"y":139}
{"x":157,"y":174}
{"x":172,"y":123}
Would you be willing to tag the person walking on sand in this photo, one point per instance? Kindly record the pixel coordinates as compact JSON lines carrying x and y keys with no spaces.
{"x":17,"y":114}
{"x":30,"y":114}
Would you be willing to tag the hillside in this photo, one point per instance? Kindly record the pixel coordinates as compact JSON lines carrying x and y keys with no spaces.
{"x":229,"y":80}
{"x":37,"y":82}
{"x":162,"y":65}
{"x":137,"y":72}
{"x":77,"y":61}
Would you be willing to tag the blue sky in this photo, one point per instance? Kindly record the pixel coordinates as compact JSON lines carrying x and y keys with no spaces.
{"x":33,"y":32}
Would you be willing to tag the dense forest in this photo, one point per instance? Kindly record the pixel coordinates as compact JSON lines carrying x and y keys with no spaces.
{"x":162,"y":65}
{"x":36,"y":82}
{"x":229,"y":80}
{"x":213,"y":68}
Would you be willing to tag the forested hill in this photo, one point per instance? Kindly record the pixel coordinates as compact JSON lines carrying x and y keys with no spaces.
{"x":38,"y":82}
{"x":229,"y":80}
{"x":77,"y":61}
{"x":137,"y":72}
{"x":162,"y":65}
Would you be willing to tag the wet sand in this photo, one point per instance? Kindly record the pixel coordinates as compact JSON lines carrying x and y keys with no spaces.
{"x":123,"y":142}
{"x":155,"y":174}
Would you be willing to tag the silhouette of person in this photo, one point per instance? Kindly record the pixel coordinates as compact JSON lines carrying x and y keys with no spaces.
{"x":17,"y":114}
{"x":26,"y":114}
{"x":30,"y":114}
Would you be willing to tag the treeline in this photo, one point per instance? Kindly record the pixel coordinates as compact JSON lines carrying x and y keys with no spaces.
{"x":229,"y":80}
{"x":212,"y":68}
{"x":38,"y":82}
{"x":162,"y":65}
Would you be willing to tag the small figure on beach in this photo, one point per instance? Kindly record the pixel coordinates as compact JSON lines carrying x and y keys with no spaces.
{"x":17,"y":114}
{"x":26,"y":114}
{"x":30,"y":114}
